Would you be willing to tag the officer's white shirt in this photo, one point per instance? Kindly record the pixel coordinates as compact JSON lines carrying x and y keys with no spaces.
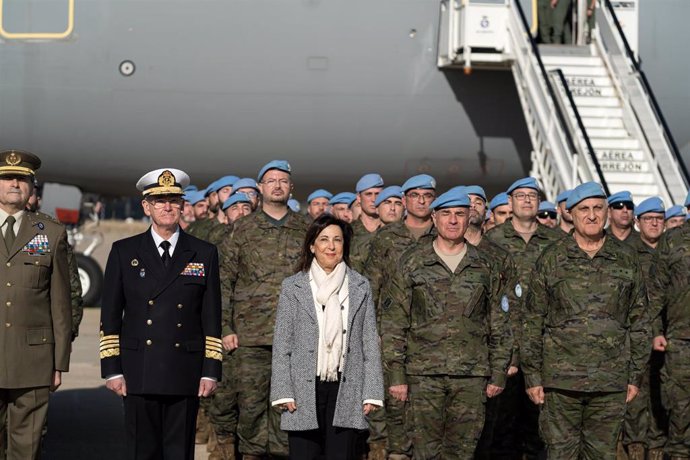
{"x":172,"y":240}
{"x":3,"y":218}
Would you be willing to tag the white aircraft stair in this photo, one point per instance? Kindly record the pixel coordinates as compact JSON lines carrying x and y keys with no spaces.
{"x":589,"y":109}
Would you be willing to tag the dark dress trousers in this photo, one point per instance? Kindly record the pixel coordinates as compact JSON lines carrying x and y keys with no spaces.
{"x":160,"y":328}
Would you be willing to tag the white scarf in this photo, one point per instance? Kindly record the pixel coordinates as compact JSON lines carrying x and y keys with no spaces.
{"x":331,"y":335}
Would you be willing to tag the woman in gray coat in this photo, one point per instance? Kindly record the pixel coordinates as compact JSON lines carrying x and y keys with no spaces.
{"x":327,"y":374}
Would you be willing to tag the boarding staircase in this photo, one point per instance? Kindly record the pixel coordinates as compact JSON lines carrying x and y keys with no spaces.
{"x":589,"y":109}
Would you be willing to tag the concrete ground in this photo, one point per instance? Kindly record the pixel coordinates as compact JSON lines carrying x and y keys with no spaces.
{"x":85,"y":420}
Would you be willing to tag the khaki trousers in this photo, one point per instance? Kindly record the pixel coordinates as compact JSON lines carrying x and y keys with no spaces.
{"x":23,"y":414}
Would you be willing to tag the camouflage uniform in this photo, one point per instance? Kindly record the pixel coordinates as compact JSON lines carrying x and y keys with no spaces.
{"x":517,"y":426}
{"x":359,"y":247}
{"x":645,"y":421}
{"x":585,"y":338}
{"x":631,"y":239}
{"x":389,"y":424}
{"x":260,"y":253}
{"x":200,"y":228}
{"x":670,"y":301}
{"x":218,"y":232}
{"x":445,"y":334}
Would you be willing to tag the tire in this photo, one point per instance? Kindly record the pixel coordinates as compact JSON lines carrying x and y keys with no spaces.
{"x":91,"y":277}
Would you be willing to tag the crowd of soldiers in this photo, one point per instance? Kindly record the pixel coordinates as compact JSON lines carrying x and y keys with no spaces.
{"x":537,"y":337}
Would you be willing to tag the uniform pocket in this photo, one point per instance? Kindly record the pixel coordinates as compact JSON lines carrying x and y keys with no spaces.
{"x":36,"y":272}
{"x":39,"y":336}
{"x":475,"y":300}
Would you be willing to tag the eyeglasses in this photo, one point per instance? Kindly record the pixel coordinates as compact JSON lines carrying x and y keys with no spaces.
{"x":649,"y":219}
{"x":522,"y":196}
{"x":547,"y":215}
{"x":424,"y":196}
{"x":623,"y":204}
{"x":251,"y":194}
{"x":274,"y":182}
{"x":159,"y":203}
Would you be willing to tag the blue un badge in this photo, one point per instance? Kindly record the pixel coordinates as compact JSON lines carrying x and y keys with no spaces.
{"x":142,"y":273}
{"x":518,"y":290}
{"x":504,"y":304}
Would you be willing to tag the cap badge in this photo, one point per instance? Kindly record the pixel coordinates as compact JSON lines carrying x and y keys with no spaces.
{"x":166,"y":179}
{"x":134,"y":262}
{"x":13,"y":159}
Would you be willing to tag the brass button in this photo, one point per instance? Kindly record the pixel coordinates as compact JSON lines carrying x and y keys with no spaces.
{"x":9,"y":264}
{"x":8,"y":324}
{"x":8,"y":303}
{"x":9,"y":284}
{"x":179,"y":305}
{"x":150,"y":302}
{"x":179,"y":324}
{"x":36,"y":262}
{"x":148,"y":342}
{"x":44,"y":339}
{"x":149,"y":322}
{"x":177,"y":345}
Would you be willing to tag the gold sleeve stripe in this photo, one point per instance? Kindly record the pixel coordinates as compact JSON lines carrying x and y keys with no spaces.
{"x":214,"y":355}
{"x":213,"y":340}
{"x":107,"y":342}
{"x":107,"y":337}
{"x":108,"y":347}
{"x":110,"y":353}
{"x":208,"y":348}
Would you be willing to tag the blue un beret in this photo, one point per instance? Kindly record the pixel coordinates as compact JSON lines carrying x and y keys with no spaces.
{"x":294,"y":205}
{"x":281,"y":165}
{"x":451,"y":199}
{"x":238,"y":197}
{"x":389,"y":192}
{"x":320,"y":193}
{"x":584,"y":191}
{"x":343,"y":198}
{"x":687,"y":200}
{"x":194,"y":197}
{"x":246,"y":182}
{"x":499,"y":200}
{"x":191,"y":188}
{"x":419,"y":181}
{"x":225,"y":181}
{"x":624,"y":196}
{"x":674,"y":211}
{"x":547,"y":206}
{"x":563,"y":196}
{"x":475,"y":190}
{"x":369,"y":181}
{"x":653,"y":204}
{"x":525,"y":182}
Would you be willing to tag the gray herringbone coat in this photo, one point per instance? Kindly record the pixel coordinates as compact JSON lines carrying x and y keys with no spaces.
{"x":295,"y":352}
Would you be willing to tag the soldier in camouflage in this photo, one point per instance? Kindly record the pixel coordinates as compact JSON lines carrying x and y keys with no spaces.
{"x":670,"y":301}
{"x":317,"y":202}
{"x":263,"y":250}
{"x":202,"y":222}
{"x":566,"y":220}
{"x":445,"y":325}
{"x":674,"y":217}
{"x":364,"y":227}
{"x":621,"y":209}
{"x":389,"y":431}
{"x":645,"y":422}
{"x":585,"y":341}
{"x":518,"y":426}
{"x":341,"y":205}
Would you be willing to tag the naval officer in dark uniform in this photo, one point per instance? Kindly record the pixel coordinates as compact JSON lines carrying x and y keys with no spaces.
{"x":160,"y":342}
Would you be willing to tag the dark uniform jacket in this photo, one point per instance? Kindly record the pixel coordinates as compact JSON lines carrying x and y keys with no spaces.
{"x":161,"y":327}
{"x":36,"y":324}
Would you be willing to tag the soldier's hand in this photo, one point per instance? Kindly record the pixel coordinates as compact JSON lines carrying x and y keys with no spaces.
{"x":57,"y":380}
{"x":230,"y":342}
{"x":554,"y":3}
{"x":512,"y":370}
{"x":632,"y":392}
{"x":289,"y":406}
{"x":207,"y":387}
{"x":118,"y":386}
{"x":399,"y":392}
{"x":659,"y":343}
{"x":536,"y":394}
{"x":493,"y":390}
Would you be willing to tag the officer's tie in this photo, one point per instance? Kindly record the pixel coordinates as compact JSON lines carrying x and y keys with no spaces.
{"x":9,"y":232}
{"x":165,"y":257}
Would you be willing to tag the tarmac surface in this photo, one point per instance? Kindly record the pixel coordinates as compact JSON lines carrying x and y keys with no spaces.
{"x":86,"y":420}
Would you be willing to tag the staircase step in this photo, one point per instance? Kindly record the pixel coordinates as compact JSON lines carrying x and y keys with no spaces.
{"x":608,"y":133}
{"x":600,"y":112}
{"x":616,"y":144}
{"x":581,"y":71}
{"x":567,"y":50}
{"x":601,"y":101}
{"x":559,"y":61}
{"x":611,"y":122}
{"x":636,"y":181}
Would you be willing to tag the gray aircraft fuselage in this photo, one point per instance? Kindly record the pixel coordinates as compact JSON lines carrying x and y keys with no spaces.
{"x":337,"y":87}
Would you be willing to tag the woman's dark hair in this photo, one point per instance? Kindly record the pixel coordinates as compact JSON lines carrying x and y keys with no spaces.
{"x":315,"y":229}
